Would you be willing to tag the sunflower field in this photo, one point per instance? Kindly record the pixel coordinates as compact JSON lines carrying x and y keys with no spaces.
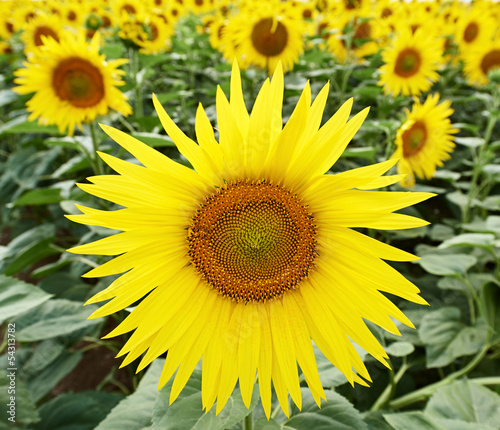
{"x":249,"y":214}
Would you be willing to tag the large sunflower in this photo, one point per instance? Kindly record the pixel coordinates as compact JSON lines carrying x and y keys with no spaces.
{"x":251,"y":255}
{"x":72,"y":83}
{"x":411,"y":63}
{"x":425,"y":139}
{"x":262,"y":36}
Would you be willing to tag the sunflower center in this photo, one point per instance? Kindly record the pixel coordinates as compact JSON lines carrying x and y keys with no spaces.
{"x":471,"y":32}
{"x":407,"y":63}
{"x":269,"y":37}
{"x":252,"y":241}
{"x":79,"y":82}
{"x":44,"y":31}
{"x":414,"y":139}
{"x":490,"y":61}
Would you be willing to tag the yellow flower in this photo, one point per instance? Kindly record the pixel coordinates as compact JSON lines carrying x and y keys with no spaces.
{"x":475,"y":28}
{"x":479,"y":62}
{"x":39,"y":28}
{"x":410,"y":63}
{"x":157,"y":35}
{"x":364,"y":38}
{"x":261,"y":36}
{"x":425,"y":140}
{"x":72,"y":83}
{"x":251,"y":255}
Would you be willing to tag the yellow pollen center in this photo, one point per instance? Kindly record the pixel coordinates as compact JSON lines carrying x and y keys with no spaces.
{"x":252,"y":241}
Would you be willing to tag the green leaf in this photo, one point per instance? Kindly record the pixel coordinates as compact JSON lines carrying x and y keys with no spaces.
{"x":17,"y":296}
{"x":21,"y":125}
{"x":440,"y":232}
{"x":367,"y":152}
{"x":41,"y":196}
{"x":25,"y":412}
{"x":466,"y":401}
{"x":490,"y":306}
{"x":135,"y":411}
{"x":80,"y":411}
{"x":42,"y":383}
{"x":470,"y":142}
{"x":187,"y":413}
{"x":451,"y":283}
{"x":329,"y":375}
{"x":30,"y":256}
{"x":154,"y":140}
{"x":375,"y":421}
{"x":54,"y":318}
{"x":413,"y":421}
{"x":446,"y":337}
{"x":264,"y":424}
{"x":443,"y":265}
{"x":336,"y":413}
{"x":400,"y":349}
{"x":470,"y":239}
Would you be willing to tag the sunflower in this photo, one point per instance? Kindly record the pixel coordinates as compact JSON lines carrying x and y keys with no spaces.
{"x":480,"y":61}
{"x":251,"y":255}
{"x":262,"y":36}
{"x":411,"y":63}
{"x":39,"y":29}
{"x":72,"y":83}
{"x":425,"y":139}
{"x":157,"y":35}
{"x":475,"y":28}
{"x":363,"y":34}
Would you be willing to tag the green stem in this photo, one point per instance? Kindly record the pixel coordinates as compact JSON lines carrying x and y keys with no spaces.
{"x":478,"y":165}
{"x":275,"y":412}
{"x":248,"y":422}
{"x":134,"y":63}
{"x":487,"y":380}
{"x":95,"y":145}
{"x":429,"y":390}
{"x":389,"y":391}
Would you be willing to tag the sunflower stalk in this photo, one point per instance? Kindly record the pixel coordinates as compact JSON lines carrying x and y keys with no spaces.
{"x":96,"y":160}
{"x":390,"y":390}
{"x":426,"y":392}
{"x":482,"y":155}
{"x":135,"y":71}
{"x":248,"y":422}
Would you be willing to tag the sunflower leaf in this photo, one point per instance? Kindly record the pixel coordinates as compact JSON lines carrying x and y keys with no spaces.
{"x":446,"y":337}
{"x":466,"y":401}
{"x":135,"y":411}
{"x":17,"y":296}
{"x":335,"y":413}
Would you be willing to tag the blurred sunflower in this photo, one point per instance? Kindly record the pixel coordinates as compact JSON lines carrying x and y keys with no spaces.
{"x":72,"y":83}
{"x":261,"y":36}
{"x":359,"y":37}
{"x":410,"y":63}
{"x":475,"y":28}
{"x":425,"y":139}
{"x":156,"y":36}
{"x":40,"y":28}
{"x":249,"y":256}
{"x":480,"y":61}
